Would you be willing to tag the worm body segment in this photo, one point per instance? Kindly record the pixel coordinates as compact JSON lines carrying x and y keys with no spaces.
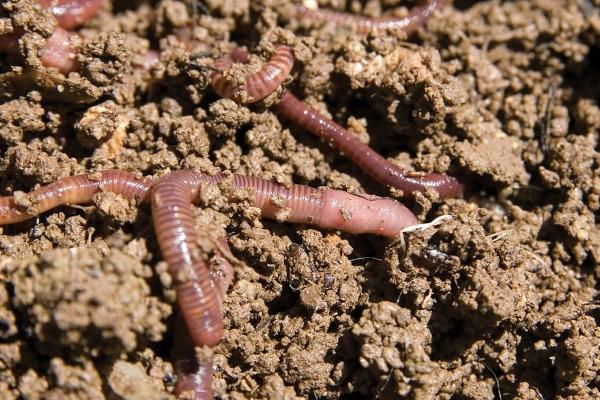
{"x":370,"y":161}
{"x":57,"y":52}
{"x":328,"y":208}
{"x":194,"y":374}
{"x":255,"y":86}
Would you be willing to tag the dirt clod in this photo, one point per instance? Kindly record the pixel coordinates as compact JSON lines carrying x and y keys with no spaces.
{"x":498,"y":301}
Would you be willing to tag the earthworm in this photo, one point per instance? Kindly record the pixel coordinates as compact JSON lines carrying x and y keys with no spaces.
{"x":418,"y":16}
{"x":194,"y":370}
{"x":72,"y":190}
{"x":200,"y":290}
{"x":370,"y":161}
{"x":194,"y":373}
{"x":173,"y":220}
{"x":70,"y":14}
{"x":58,"y":51}
{"x":327,"y":208}
{"x":255,"y":86}
{"x":306,"y":117}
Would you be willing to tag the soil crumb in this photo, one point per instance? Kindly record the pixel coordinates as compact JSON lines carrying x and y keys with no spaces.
{"x":499,"y":301}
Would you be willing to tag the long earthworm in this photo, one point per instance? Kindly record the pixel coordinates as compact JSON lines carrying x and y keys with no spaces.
{"x":418,"y":16}
{"x":366,"y":158}
{"x":255,"y":86}
{"x":194,"y":370}
{"x":200,"y":290}
{"x":308,"y":118}
{"x":322,"y":207}
{"x":58,"y":51}
{"x":173,"y":221}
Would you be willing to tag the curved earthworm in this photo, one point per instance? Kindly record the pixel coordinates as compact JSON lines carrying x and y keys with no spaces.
{"x":70,"y":14}
{"x":255,"y":86}
{"x":172,"y":215}
{"x":418,"y":16}
{"x":370,"y":161}
{"x":58,"y":51}
{"x":173,"y":220}
{"x":72,"y":190}
{"x":308,"y":118}
{"x":200,"y":290}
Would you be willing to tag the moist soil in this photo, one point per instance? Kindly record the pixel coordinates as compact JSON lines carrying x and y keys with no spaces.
{"x":498,"y":302}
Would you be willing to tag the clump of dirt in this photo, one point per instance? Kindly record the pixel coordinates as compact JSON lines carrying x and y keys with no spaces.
{"x":498,"y":301}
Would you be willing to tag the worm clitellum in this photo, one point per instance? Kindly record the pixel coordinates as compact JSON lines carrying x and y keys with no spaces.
{"x":369,"y":160}
{"x":417,"y":17}
{"x":255,"y":86}
{"x":58,"y":51}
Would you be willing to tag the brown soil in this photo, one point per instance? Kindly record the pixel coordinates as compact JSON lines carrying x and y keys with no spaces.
{"x":498,"y":302}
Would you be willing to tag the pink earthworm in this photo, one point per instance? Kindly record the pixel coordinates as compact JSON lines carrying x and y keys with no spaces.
{"x":199,"y":289}
{"x":58,"y":51}
{"x":306,"y":117}
{"x":418,"y":16}
{"x":70,"y":14}
{"x":369,"y":160}
{"x":255,"y":86}
{"x":72,"y":190}
{"x":172,"y":215}
{"x":173,"y":220}
{"x":194,"y":370}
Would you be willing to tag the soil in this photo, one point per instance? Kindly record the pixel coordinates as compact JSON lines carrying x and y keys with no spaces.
{"x":499,"y":302}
